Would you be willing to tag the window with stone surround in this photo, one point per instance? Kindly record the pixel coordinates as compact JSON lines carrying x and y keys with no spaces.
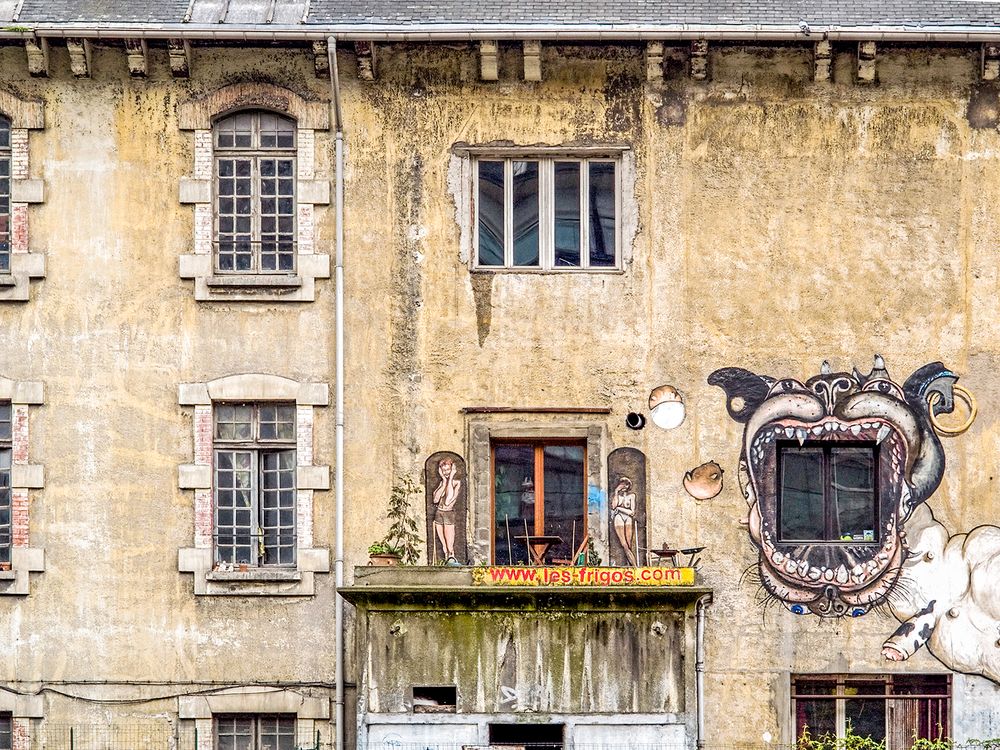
{"x":254,"y":480}
{"x":254,"y":189}
{"x":255,"y":193}
{"x":18,"y":262}
{"x":256,"y":717}
{"x":572,"y":470}
{"x":17,"y":478}
{"x":254,"y":484}
{"x":253,"y":732}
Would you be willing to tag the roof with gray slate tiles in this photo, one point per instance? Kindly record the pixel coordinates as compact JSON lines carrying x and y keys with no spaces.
{"x":914,"y":13}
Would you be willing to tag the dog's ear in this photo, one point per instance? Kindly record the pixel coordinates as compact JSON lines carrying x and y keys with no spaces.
{"x":745,"y":391}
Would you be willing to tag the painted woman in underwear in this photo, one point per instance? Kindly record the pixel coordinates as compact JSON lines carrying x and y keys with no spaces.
{"x":623,"y":517}
{"x":445,"y":498}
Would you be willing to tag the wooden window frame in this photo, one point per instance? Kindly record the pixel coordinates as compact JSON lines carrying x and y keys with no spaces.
{"x":539,"y":445}
{"x":829,"y":520}
{"x":255,"y":720}
{"x":257,"y":447}
{"x":843,"y":681}
{"x":254,"y":153}
{"x":546,"y":212}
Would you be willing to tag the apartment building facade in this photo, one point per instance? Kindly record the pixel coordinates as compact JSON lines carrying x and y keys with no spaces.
{"x":693,"y":309}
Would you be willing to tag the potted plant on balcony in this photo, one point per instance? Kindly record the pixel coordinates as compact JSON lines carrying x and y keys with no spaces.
{"x":400,"y":545}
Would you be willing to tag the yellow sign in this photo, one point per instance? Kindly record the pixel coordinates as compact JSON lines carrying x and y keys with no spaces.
{"x":581,"y":576}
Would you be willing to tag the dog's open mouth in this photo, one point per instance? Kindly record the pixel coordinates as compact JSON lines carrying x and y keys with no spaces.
{"x":845,"y":569}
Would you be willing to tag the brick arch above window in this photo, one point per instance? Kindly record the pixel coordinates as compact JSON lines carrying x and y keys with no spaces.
{"x":18,"y":264}
{"x":205,"y":558}
{"x":215,"y":281}
{"x":200,"y":113}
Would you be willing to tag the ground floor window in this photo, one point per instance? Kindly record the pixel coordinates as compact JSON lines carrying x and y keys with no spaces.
{"x":534,"y":736}
{"x":255,"y":732}
{"x":539,"y":498}
{"x":6,"y":727}
{"x":891,"y":708}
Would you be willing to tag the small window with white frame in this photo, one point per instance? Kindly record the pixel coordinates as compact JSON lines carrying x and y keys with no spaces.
{"x":547,"y":212}
{"x":255,"y":484}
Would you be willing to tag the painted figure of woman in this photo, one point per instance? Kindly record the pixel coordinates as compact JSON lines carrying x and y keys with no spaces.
{"x":623,"y":517}
{"x":445,"y":497}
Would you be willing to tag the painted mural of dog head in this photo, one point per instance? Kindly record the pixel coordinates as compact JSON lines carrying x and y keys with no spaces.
{"x":838,"y":576}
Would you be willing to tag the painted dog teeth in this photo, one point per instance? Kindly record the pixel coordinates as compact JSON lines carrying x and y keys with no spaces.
{"x":883,"y":433}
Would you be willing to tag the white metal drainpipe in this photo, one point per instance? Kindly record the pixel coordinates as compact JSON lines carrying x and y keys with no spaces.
{"x":338,"y":564}
{"x":699,"y":668}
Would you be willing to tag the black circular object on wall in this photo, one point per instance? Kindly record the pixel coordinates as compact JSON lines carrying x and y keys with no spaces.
{"x":634,"y":420}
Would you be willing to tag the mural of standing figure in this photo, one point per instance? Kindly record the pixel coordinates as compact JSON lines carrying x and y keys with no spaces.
{"x":943,"y":588}
{"x":627,"y":506}
{"x":445,"y":483}
{"x":623,"y":517}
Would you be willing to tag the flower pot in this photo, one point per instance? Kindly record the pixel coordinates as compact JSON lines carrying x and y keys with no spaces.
{"x":4,"y":566}
{"x":244,"y":568}
{"x":384,"y":558}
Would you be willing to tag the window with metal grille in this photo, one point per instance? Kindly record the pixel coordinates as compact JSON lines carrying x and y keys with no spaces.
{"x":4,"y":195}
{"x":557,"y":213}
{"x":895,"y":709}
{"x":254,"y":732}
{"x":255,"y":193}
{"x":6,"y":527}
{"x":255,"y":484}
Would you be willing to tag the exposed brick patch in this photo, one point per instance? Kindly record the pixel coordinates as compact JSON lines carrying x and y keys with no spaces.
{"x":203,"y":521}
{"x":306,"y":155}
{"x":19,"y":434}
{"x":206,"y":735}
{"x":204,"y":228}
{"x":19,"y":227}
{"x":203,"y":154}
{"x":19,"y":153}
{"x":19,"y":517}
{"x":203,"y":435}
{"x":304,"y":518}
{"x":304,"y":435}
{"x":20,"y":733}
{"x":306,"y":229}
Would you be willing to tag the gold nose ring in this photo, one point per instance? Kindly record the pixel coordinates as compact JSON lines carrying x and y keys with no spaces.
{"x":963,"y":395}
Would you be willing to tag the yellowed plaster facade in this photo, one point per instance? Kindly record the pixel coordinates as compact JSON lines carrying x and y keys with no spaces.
{"x":770,"y":222}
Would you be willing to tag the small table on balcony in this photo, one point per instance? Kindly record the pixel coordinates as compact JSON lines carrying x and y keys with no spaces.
{"x":539,"y":546}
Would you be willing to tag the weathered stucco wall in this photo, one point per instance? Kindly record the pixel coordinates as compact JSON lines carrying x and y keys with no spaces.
{"x":778,"y":222}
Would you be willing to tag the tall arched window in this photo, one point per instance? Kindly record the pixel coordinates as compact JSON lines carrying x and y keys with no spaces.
{"x":255,"y":193}
{"x":4,"y":195}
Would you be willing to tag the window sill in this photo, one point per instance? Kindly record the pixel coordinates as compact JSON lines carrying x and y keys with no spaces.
{"x":8,"y":575}
{"x":255,"y":574}
{"x":549,"y":271}
{"x":298,"y":581}
{"x":254,"y":281}
{"x":7,"y":280}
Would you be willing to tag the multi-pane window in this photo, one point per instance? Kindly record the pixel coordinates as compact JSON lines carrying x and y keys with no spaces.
{"x":827,"y":493}
{"x":4,"y":195}
{"x":255,"y":193}
{"x":254,"y":732}
{"x":539,"y":490}
{"x":547,"y":213}
{"x":255,"y":484}
{"x":895,"y":708}
{"x":6,"y":529}
{"x":5,"y":731}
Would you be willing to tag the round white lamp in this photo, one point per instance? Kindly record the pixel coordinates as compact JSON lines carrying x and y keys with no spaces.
{"x":666,"y":407}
